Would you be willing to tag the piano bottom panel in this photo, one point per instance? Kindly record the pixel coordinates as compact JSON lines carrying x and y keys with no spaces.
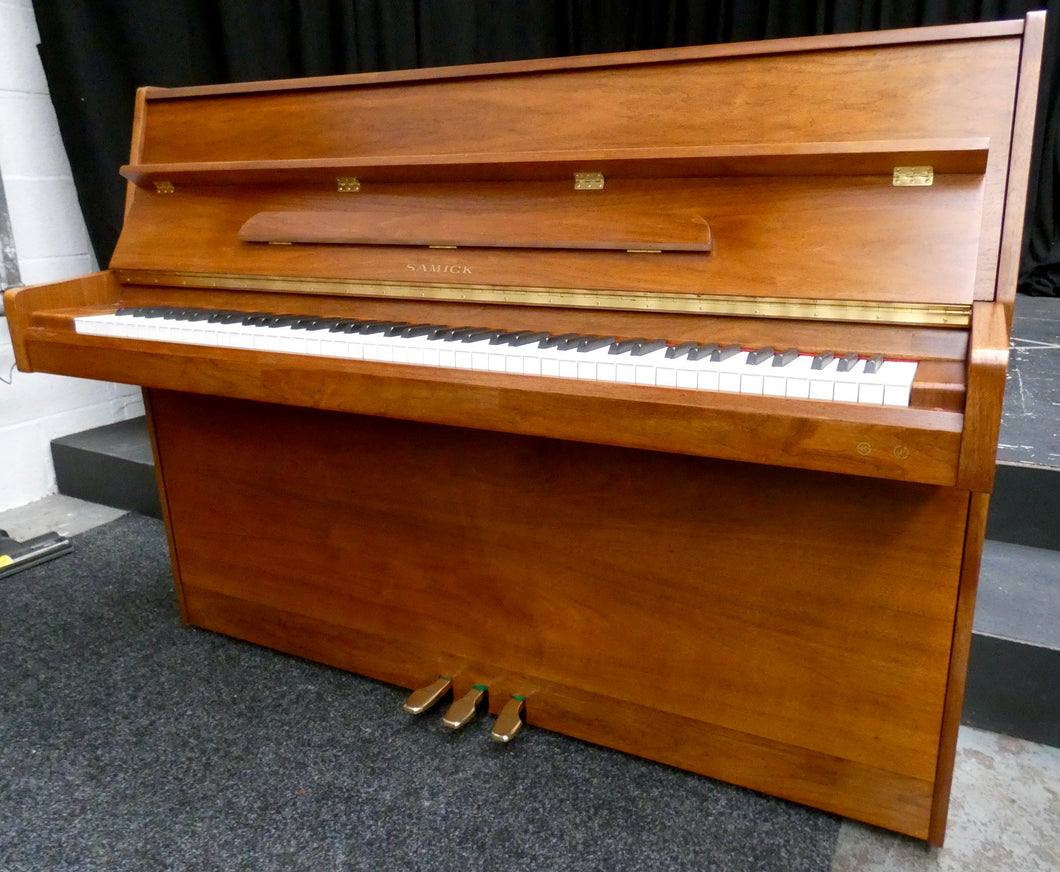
{"x":877,"y":796}
{"x":785,"y":630}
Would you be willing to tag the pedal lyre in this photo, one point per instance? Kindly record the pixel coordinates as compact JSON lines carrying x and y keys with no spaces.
{"x":511,"y":719}
{"x":426,"y":697}
{"x":464,"y":709}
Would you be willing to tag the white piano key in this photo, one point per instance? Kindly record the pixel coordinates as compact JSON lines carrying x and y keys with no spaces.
{"x":688,"y":378}
{"x":791,"y":380}
{"x":550,"y":366}
{"x":589,"y":363}
{"x":729,"y":372}
{"x":752,"y":376}
{"x":845,"y":384}
{"x":896,"y":377}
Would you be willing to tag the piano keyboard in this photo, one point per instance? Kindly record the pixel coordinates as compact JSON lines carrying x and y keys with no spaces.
{"x":849,"y":378}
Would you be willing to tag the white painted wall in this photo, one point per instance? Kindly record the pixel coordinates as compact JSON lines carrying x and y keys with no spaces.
{"x":52,"y":244}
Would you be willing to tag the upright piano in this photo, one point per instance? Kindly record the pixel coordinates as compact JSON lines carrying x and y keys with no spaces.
{"x":650,"y":397}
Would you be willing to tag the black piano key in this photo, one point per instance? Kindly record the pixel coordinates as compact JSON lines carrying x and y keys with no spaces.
{"x":155,"y":311}
{"x":676,"y":352}
{"x":256,"y":319}
{"x":760,"y":355}
{"x":484,"y":336}
{"x":560,"y":341}
{"x":263,"y":320}
{"x":720,"y":354}
{"x":820,"y":361}
{"x":648,"y":347}
{"x":438,"y":331}
{"x":458,"y":334}
{"x":284,"y":320}
{"x":626,"y":346}
{"x":305,"y":322}
{"x":873,"y":364}
{"x":225,"y":316}
{"x":847,"y":362}
{"x":130,"y":311}
{"x":180,"y":313}
{"x":506,"y":337}
{"x":346,"y":325}
{"x":414,"y":330}
{"x":447,"y":334}
{"x":785,"y":357}
{"x":323,"y":324}
{"x":400,"y":327}
{"x":374,"y":327}
{"x":367,"y":326}
{"x":579,"y":339}
{"x":592,"y":343}
{"x":529,"y":338}
{"x":708,"y":350}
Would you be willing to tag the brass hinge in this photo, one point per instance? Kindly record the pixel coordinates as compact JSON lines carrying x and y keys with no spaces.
{"x":913,"y":177}
{"x":348,"y":184}
{"x":164,"y":188}
{"x":588,"y":181}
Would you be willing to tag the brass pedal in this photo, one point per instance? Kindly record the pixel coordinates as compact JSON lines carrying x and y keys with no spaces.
{"x":511,"y":719}
{"x":426,"y":697}
{"x":464,"y":709}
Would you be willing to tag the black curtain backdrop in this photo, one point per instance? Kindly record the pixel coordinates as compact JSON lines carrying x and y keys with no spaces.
{"x":97,"y":52}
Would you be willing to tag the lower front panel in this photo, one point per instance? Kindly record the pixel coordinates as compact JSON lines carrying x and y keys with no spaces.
{"x":785,"y":630}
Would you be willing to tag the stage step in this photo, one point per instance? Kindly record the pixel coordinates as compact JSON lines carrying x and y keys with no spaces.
{"x":110,"y":465}
{"x":1014,"y":664}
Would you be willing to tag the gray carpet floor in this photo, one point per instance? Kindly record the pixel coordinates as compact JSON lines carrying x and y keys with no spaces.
{"x":129,"y":741}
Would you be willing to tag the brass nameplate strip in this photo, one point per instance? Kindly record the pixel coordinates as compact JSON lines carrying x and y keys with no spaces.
{"x":912,"y":314}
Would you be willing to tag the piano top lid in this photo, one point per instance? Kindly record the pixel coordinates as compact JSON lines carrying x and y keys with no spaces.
{"x":860,"y":39}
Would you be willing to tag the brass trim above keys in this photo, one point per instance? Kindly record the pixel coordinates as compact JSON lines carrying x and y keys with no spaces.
{"x":465,"y":708}
{"x":910,"y":314}
{"x":427,"y":697}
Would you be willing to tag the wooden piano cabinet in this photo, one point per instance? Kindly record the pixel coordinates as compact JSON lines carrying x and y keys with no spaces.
{"x":773,"y":591}
{"x":786,"y":630}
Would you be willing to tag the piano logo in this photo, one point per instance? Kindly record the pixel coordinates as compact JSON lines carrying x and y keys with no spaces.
{"x":457,"y":268}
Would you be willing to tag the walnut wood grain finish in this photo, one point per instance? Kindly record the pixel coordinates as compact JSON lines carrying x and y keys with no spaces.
{"x":857,"y":238}
{"x":848,"y":158}
{"x":962,"y":640}
{"x":845,"y":787}
{"x":545,"y":221}
{"x":589,"y":568}
{"x":958,"y":90}
{"x":1020,"y":162}
{"x":98,"y":289}
{"x":986,"y":390}
{"x":868,"y":39}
